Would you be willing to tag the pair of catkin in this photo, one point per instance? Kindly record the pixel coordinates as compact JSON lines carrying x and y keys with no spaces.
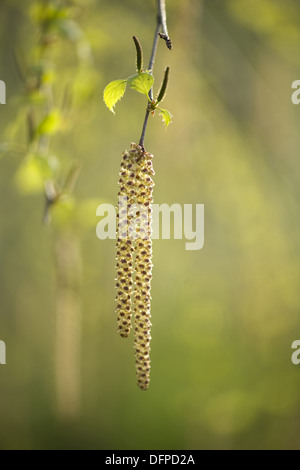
{"x":134,"y":254}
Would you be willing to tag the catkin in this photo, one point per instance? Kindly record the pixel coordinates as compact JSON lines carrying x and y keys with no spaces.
{"x":134,"y":256}
{"x":143,"y":274}
{"x":124,"y":245}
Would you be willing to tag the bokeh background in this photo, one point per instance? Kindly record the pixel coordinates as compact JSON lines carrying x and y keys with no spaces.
{"x":224,"y":317}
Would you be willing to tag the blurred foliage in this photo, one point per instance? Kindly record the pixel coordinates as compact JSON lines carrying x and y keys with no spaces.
{"x":224,"y":318}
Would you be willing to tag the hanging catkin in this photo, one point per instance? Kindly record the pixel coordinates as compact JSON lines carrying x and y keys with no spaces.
{"x":134,"y":255}
{"x":124,"y":245}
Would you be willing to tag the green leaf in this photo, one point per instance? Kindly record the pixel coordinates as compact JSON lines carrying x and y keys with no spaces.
{"x":113,"y":92}
{"x":32,"y":173}
{"x":86,"y":213}
{"x":63,"y":211}
{"x":50,"y":124}
{"x":48,"y":76}
{"x":43,"y":13}
{"x":141,"y":82}
{"x":166,"y":115}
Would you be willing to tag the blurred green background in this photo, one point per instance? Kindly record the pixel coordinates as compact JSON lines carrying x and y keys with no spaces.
{"x":224,"y":317}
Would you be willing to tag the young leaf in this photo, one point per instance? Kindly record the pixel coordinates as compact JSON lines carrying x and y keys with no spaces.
{"x":86,"y":213}
{"x":63,"y":211}
{"x":166,"y":115}
{"x":141,"y":82}
{"x":113,"y":92}
{"x":50,"y":124}
{"x":32,"y":173}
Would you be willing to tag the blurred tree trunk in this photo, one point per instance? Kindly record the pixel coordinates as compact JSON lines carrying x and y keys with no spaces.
{"x":68,"y":325}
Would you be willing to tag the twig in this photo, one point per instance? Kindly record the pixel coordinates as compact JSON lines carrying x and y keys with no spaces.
{"x":142,"y":139}
{"x":161,"y":24}
{"x":163,"y":21}
{"x":154,"y":48}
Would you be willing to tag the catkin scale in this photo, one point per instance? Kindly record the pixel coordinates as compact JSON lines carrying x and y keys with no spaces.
{"x":134,"y":257}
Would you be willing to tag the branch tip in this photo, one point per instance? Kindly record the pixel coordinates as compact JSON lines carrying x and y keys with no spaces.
{"x":166,"y":38}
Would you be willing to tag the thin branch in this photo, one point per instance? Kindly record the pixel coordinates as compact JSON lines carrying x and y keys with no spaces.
{"x":142,"y":139}
{"x":154,"y":47}
{"x":150,"y":68}
{"x":161,"y":24}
